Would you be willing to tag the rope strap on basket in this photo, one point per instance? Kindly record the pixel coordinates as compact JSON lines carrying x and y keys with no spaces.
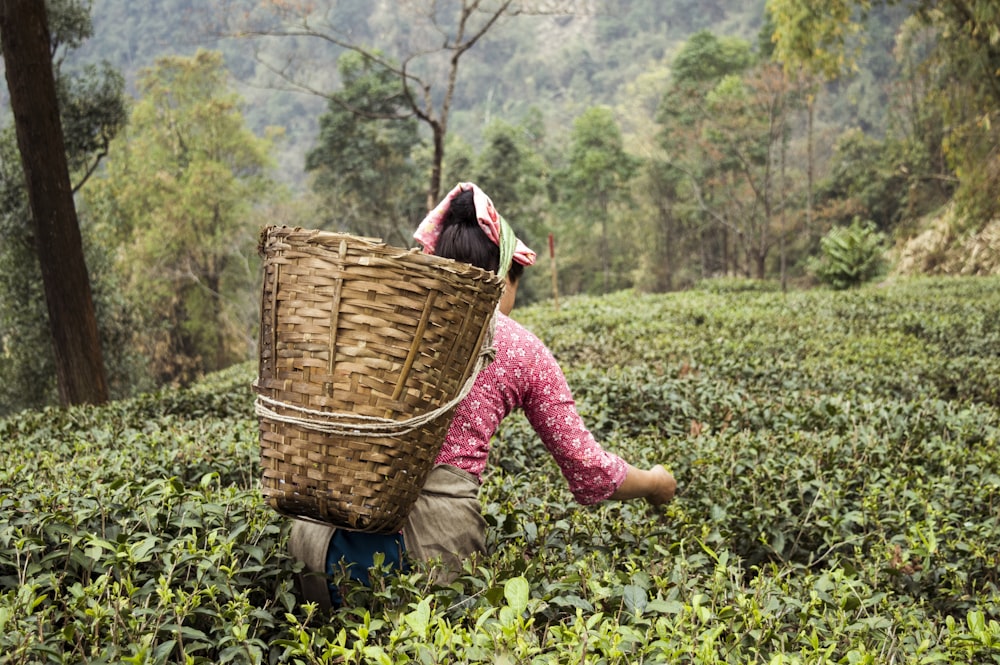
{"x":360,"y":425}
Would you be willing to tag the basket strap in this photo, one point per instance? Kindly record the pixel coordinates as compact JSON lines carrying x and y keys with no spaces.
{"x":352,"y":424}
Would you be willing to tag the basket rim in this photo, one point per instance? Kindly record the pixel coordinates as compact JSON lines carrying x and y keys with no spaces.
{"x":324,"y":240}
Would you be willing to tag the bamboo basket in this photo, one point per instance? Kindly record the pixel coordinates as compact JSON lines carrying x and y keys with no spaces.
{"x":365,"y":350}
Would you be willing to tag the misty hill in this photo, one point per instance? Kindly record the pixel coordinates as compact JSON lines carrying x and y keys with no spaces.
{"x":559,"y":64}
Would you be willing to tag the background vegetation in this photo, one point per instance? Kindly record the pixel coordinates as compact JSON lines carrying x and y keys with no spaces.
{"x":659,"y":143}
{"x":838,"y":503}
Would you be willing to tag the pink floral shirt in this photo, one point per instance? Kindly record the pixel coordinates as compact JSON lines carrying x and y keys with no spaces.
{"x":525,"y":375}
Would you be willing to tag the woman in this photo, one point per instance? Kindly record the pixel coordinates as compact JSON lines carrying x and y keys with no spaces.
{"x":446,"y":523}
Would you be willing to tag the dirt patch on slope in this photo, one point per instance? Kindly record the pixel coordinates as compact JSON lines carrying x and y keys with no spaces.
{"x":944,"y":248}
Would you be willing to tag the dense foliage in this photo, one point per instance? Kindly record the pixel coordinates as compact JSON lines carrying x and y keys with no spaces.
{"x":362,"y":159}
{"x":837,"y":455}
{"x":950,"y":63}
{"x":659,"y":143}
{"x":179,"y":202}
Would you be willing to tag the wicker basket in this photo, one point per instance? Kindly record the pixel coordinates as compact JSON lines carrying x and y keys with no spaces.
{"x":365,"y":350}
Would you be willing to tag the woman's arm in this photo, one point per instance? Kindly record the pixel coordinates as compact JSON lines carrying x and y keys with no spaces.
{"x":539,"y":387}
{"x":656,"y":485}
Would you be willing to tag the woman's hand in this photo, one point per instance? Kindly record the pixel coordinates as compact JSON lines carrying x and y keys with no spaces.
{"x":664,"y":486}
{"x":657,"y":485}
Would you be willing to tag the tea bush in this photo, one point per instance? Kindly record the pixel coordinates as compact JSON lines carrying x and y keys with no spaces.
{"x":839,"y":502}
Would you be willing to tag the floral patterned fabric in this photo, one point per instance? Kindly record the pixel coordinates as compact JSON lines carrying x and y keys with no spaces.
{"x":525,"y":375}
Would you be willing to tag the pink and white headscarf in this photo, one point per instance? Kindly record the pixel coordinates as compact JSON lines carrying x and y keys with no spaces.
{"x":490,"y":221}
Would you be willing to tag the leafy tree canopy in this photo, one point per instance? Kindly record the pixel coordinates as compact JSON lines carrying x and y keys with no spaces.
{"x":362,"y":161}
{"x":706,"y":57}
{"x":180,"y":195}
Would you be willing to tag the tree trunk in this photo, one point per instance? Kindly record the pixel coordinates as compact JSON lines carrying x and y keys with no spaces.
{"x":437,"y":166}
{"x":728,"y":262}
{"x":665,"y":242}
{"x":784,"y":183}
{"x":810,"y":159}
{"x":26,"y":51}
{"x":605,"y":260}
{"x":760,"y":257}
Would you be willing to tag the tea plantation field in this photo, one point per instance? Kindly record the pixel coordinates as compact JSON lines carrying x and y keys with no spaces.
{"x":839,"y":502}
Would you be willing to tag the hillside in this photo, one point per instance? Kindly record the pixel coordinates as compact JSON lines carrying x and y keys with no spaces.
{"x":560,"y":64}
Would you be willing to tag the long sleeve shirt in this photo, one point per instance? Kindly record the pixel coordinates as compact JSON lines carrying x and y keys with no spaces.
{"x":525,"y":375}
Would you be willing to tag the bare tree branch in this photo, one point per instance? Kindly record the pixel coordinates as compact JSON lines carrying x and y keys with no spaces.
{"x":412,"y":64}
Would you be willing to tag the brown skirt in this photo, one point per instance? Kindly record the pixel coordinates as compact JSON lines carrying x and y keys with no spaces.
{"x":445,"y":528}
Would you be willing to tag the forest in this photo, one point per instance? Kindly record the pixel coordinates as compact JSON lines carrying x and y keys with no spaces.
{"x":653,"y":145}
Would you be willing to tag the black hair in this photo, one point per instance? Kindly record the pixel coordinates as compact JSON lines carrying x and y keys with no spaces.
{"x":463,"y":240}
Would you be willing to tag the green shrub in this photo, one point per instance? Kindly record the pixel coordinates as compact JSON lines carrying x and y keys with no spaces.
{"x":850,"y":256}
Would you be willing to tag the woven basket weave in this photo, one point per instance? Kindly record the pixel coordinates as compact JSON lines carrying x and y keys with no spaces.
{"x":365,"y":349}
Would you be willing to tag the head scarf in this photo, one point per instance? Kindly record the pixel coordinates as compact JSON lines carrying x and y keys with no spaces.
{"x":490,"y":221}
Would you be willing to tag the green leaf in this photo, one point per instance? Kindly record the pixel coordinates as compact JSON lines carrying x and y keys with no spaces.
{"x":516,"y":591}
{"x":418,"y":619}
{"x":665,"y":606}
{"x":635,"y":598}
{"x":163,"y":651}
{"x":572,"y":601}
{"x":141,"y":551}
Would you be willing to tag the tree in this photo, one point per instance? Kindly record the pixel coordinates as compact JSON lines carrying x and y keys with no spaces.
{"x":512,"y":172}
{"x":687,"y":166}
{"x":864,"y":181}
{"x":596,"y":179}
{"x":180,"y":194}
{"x":706,"y":58}
{"x":662,"y":263}
{"x":743,"y":135}
{"x":92,"y":111}
{"x":915,"y":160}
{"x":725,"y":128}
{"x":967,"y":55}
{"x":814,"y":42}
{"x":817,"y":35}
{"x":654,"y":190}
{"x":31,"y":81}
{"x":363,"y":161}
{"x":426,"y":76}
